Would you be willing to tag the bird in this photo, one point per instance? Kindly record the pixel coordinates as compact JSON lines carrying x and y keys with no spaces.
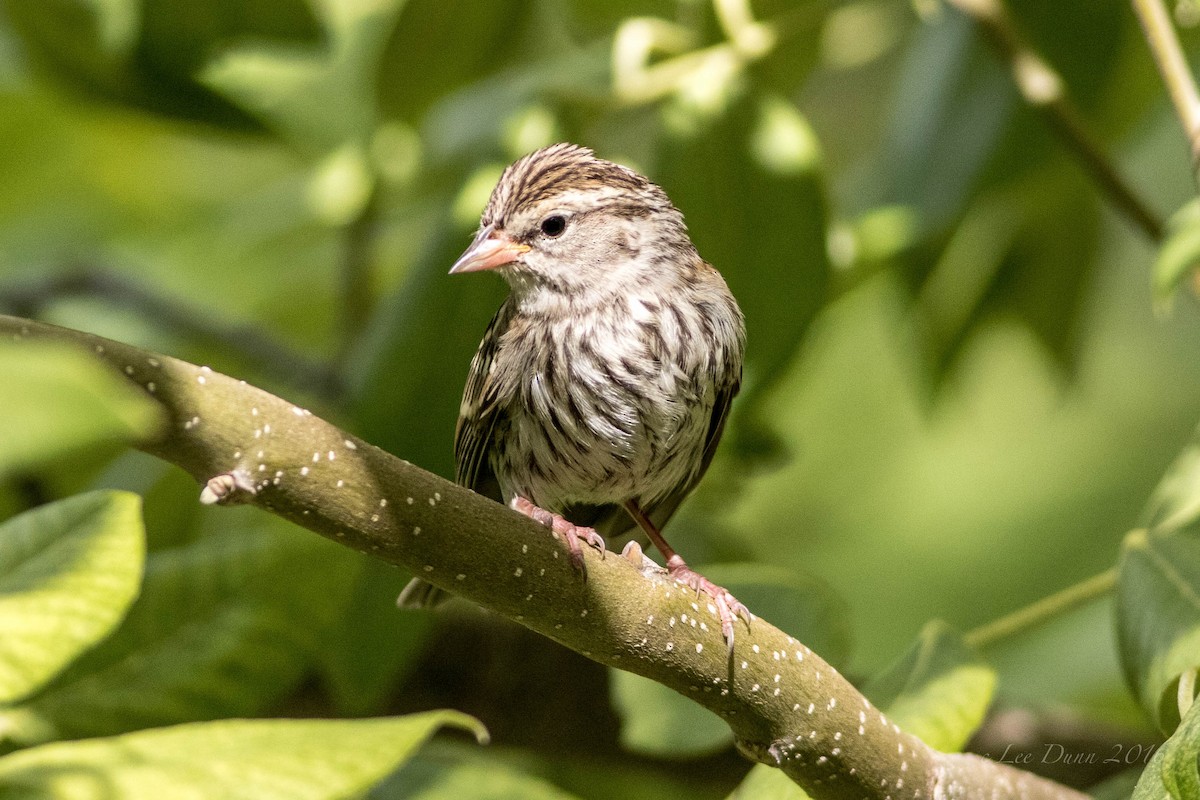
{"x":601,"y":388}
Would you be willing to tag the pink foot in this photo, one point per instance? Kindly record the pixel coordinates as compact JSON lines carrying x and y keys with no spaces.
{"x":729,"y":607}
{"x":571,"y":533}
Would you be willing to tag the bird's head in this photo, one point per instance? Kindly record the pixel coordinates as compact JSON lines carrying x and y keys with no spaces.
{"x":563,"y":221}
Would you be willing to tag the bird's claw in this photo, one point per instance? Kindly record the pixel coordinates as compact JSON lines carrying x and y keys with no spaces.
{"x":571,"y":533}
{"x":728,"y":607}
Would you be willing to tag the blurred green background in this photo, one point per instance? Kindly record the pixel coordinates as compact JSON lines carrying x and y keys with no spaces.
{"x":959,"y":391}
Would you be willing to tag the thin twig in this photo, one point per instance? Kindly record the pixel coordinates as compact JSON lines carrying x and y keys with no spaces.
{"x":1043,"y":610}
{"x":1044,"y":90}
{"x":1176,"y":74}
{"x":267,"y":354}
{"x":359,"y":237}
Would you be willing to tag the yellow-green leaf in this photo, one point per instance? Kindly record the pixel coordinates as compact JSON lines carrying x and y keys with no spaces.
{"x":68,"y":573}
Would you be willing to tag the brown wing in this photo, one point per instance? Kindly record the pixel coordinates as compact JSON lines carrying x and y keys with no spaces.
{"x":479,"y":414}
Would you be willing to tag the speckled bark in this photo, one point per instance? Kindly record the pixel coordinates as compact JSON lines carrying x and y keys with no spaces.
{"x":785,"y":705}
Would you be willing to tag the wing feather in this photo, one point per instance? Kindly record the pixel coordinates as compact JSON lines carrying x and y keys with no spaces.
{"x":479,"y":413}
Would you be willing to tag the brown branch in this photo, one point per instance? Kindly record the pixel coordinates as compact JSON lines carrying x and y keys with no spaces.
{"x":785,"y":705}
{"x":1044,"y":90}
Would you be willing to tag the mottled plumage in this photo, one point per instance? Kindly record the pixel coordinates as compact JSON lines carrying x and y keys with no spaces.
{"x":605,"y":378}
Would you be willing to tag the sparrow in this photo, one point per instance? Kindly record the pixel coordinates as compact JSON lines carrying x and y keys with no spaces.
{"x":602,"y":385}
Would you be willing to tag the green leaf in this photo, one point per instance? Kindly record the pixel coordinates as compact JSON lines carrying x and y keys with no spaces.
{"x":230,"y":760}
{"x":68,"y":573}
{"x":879,"y":236}
{"x":1158,"y":616}
{"x":449,"y":129}
{"x":939,"y":690}
{"x":322,"y":97}
{"x":58,"y":401}
{"x":441,"y":776}
{"x":1179,"y":255}
{"x":950,"y":107}
{"x":657,"y":721}
{"x":980,"y":168}
{"x":1173,"y":772}
{"x":372,"y":644}
{"x":770,"y":170}
{"x":1048,"y":269}
{"x":1013,"y":254}
{"x":767,"y":783}
{"x":225,"y":626}
{"x":1176,"y":500}
{"x":1087,"y":58}
{"x":479,"y":34}
{"x":148,"y":54}
{"x":1118,"y":787}
{"x":117,"y":24}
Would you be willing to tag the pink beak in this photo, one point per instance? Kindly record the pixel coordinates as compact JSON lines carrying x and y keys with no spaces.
{"x":489,"y":250}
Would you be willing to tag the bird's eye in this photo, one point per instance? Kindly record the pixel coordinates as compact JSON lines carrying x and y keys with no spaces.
{"x":554,"y":225}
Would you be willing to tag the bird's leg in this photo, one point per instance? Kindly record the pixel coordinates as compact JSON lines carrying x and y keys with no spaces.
{"x":571,"y":533}
{"x":729,"y":607}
